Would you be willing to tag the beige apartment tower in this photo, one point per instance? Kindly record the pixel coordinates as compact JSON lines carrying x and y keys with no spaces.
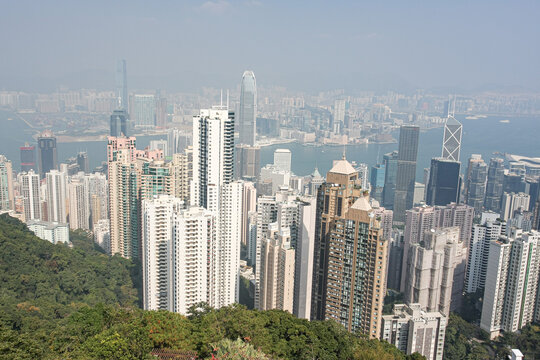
{"x":350,"y":253}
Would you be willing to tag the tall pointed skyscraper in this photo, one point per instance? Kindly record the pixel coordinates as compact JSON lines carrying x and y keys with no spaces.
{"x":247,"y":115}
{"x":121,"y":85}
{"x":452,"y":139}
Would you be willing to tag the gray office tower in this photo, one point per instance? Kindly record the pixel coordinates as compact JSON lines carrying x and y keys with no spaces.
{"x":406,"y":171}
{"x":475,"y":183}
{"x":47,"y":156}
{"x":119,"y":123}
{"x":247,"y":115}
{"x":390,"y":173}
{"x":121,"y":85}
{"x":444,"y":182}
{"x":82,"y":161}
{"x":248,"y":162}
{"x":494,"y":187}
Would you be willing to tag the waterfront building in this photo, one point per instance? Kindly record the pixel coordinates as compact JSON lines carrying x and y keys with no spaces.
{"x":247,"y":116}
{"x":119,"y":123}
{"x":47,"y":156}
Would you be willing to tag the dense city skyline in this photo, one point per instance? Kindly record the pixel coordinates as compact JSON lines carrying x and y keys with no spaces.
{"x":341,"y":163}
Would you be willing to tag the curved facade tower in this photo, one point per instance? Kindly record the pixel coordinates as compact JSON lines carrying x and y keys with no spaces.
{"x":247,"y":115}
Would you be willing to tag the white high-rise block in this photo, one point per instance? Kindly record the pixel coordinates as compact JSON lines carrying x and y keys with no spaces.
{"x":282,"y":159}
{"x":513,"y":273}
{"x":194,"y":230}
{"x":177,"y":254}
{"x":157,"y":261}
{"x":213,"y":156}
{"x":226,"y":269}
{"x":482,"y":236}
{"x":30,"y":189}
{"x":56,"y":196}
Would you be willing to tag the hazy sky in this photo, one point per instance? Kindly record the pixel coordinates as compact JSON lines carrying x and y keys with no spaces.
{"x":303,"y":45}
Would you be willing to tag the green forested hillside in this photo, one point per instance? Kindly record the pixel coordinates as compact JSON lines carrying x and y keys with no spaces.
{"x":58,"y":302}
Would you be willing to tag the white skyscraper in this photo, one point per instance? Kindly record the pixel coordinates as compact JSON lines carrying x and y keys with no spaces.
{"x":56,"y":196}
{"x":512,"y":202}
{"x":225,"y":271}
{"x":247,"y":115}
{"x":30,"y":189}
{"x":157,"y":252}
{"x":177,"y":254}
{"x":194,"y":229}
{"x":213,"y":156}
{"x":510,"y":295}
{"x":483,"y":234}
{"x":213,"y":189}
{"x":282,"y":159}
{"x":304,"y":252}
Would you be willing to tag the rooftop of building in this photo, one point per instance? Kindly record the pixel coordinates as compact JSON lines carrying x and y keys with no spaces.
{"x":343,"y":167}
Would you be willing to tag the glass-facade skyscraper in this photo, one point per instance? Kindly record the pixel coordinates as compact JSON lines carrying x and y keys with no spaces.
{"x":47,"y":153}
{"x":28,"y":157}
{"x":390,"y":173}
{"x":247,"y":115}
{"x":119,"y":124}
{"x":444,"y":182}
{"x":406,"y":171}
{"x":121,"y":85}
{"x":452,"y":139}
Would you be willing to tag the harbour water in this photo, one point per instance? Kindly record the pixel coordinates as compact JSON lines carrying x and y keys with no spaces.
{"x":515,"y":135}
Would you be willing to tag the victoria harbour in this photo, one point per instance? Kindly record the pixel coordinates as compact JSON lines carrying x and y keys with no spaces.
{"x":480,"y":136}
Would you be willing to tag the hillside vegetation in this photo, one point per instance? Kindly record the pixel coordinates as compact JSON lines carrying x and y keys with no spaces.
{"x":58,"y":302}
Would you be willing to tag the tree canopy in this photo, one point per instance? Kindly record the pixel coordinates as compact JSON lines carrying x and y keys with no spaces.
{"x":78,"y":303}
